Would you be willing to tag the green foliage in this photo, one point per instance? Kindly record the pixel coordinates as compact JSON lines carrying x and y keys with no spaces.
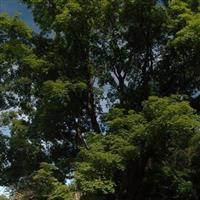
{"x":3,"y":197}
{"x":181,"y":54}
{"x":44,"y":185}
{"x":157,"y":140}
{"x":50,"y":99}
{"x":62,"y":192}
{"x":47,"y":186}
{"x":190,"y":33}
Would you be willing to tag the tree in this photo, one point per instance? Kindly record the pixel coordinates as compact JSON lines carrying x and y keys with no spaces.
{"x":44,"y":185}
{"x":180,"y":58}
{"x":50,"y":100}
{"x":143,"y":155}
{"x":132,"y":37}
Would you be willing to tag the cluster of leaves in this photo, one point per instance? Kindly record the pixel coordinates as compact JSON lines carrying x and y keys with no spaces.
{"x":146,"y":155}
{"x":44,"y":185}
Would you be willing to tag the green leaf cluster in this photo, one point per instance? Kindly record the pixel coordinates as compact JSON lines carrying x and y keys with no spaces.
{"x":158,"y":140}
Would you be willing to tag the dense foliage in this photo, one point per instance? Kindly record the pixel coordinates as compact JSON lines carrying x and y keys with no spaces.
{"x":105,"y":96}
{"x":147,"y":155}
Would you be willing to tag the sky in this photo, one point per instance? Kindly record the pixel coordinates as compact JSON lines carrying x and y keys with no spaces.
{"x":12,"y":7}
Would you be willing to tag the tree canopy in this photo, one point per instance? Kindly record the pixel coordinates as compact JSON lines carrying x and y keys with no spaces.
{"x":105,"y":96}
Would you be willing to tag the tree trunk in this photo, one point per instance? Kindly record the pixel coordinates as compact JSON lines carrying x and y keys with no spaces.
{"x":91,"y":107}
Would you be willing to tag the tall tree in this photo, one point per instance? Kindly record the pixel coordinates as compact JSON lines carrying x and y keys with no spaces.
{"x":49,"y":83}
